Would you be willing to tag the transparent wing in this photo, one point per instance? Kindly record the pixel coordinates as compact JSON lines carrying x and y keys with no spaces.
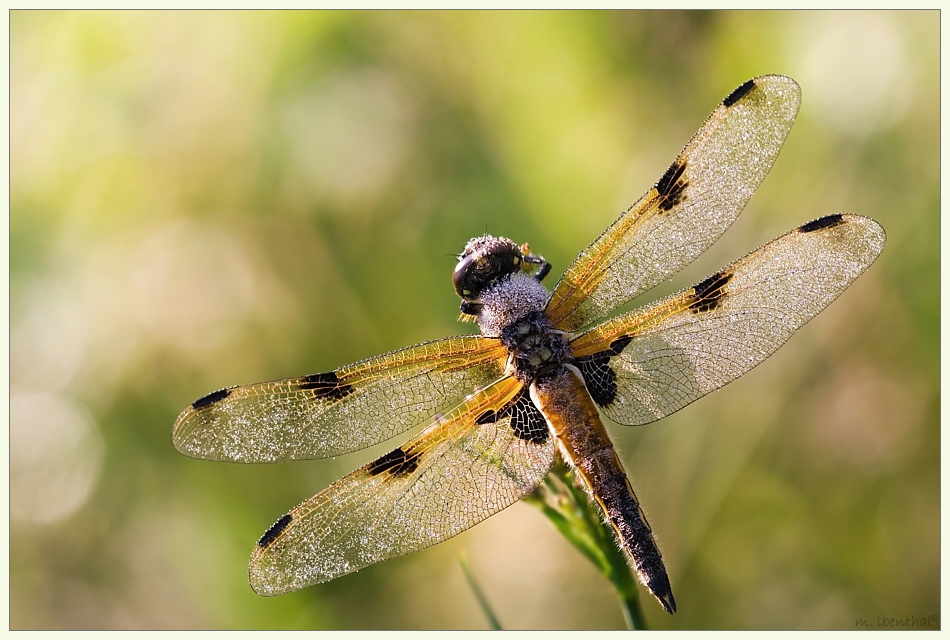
{"x":351,"y":408}
{"x":644,"y":365}
{"x":694,"y":202}
{"x":480,"y":458}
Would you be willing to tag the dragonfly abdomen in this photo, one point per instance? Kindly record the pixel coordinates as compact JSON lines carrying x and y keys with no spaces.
{"x":575,"y":422}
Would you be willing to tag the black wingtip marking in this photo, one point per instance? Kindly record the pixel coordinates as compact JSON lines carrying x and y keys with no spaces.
{"x":326,"y":385}
{"x":396,"y":462}
{"x":822,"y":223}
{"x":211,"y":398}
{"x":708,"y":294}
{"x":672,"y":186}
{"x":275,"y":530}
{"x":739,"y":93}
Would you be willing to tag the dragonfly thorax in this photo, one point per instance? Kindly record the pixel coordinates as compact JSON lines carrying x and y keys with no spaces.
{"x":537,"y":349}
{"x":509,"y":300}
{"x":513,"y":310}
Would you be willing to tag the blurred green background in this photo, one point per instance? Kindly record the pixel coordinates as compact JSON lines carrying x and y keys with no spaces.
{"x":201,"y":199}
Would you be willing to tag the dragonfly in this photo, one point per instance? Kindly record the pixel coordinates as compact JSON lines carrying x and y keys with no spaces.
{"x":500,"y":407}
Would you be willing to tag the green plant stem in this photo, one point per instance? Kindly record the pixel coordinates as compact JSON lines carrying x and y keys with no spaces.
{"x":579,"y":520}
{"x":479,"y":595}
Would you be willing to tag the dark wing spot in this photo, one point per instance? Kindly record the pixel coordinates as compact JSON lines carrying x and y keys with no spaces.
{"x":708,"y":294}
{"x":672,"y":186}
{"x":271,"y":534}
{"x":600,"y":379}
{"x":487,"y":418}
{"x":326,"y":385}
{"x":822,"y":223}
{"x":396,"y":462}
{"x":739,"y":93}
{"x":618,"y":345}
{"x":527,"y":421}
{"x":211,"y":398}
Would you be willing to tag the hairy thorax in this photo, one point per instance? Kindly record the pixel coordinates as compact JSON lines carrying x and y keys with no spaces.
{"x":513,"y":310}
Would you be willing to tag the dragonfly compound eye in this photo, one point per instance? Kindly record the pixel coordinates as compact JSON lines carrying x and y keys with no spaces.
{"x":484,"y":261}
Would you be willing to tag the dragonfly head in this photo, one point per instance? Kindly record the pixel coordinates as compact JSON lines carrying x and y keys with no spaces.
{"x":484,"y":261}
